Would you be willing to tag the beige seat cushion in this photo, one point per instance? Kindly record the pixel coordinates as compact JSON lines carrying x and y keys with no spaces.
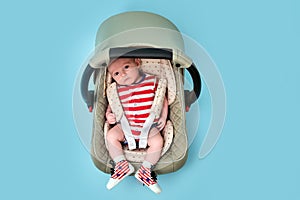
{"x":163,"y":69}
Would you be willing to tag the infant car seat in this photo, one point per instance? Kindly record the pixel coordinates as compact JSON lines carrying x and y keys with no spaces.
{"x":160,"y":46}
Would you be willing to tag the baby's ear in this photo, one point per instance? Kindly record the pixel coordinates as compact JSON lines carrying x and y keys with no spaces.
{"x":138,"y":61}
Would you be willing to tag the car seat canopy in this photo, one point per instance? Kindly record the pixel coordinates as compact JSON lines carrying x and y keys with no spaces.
{"x":137,"y":20}
{"x":136,"y":29}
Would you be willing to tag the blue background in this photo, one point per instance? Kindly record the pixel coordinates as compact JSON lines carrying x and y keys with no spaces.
{"x":255,"y":45}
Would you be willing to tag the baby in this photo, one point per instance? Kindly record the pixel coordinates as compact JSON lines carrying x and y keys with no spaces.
{"x":136,"y":91}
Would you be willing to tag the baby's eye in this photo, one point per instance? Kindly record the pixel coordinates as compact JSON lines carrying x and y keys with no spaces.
{"x":116,"y":73}
{"x":126,"y":67}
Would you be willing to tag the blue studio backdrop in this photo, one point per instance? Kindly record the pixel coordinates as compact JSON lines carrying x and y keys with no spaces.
{"x":254,"y":44}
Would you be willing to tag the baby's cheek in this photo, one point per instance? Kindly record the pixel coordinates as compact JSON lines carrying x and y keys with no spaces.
{"x":117,"y":80}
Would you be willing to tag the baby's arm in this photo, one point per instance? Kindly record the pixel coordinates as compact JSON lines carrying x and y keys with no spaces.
{"x":163,"y":117}
{"x":111,"y":118}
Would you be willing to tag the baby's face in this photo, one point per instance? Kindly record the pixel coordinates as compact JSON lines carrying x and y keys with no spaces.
{"x":125,"y":71}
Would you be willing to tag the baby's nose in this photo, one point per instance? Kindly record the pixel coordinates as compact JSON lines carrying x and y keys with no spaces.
{"x":123,"y":73}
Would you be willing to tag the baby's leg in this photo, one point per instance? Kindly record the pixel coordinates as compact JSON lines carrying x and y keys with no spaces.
{"x":114,"y":138}
{"x":155,"y":143}
{"x":144,"y":174}
{"x":122,"y":167}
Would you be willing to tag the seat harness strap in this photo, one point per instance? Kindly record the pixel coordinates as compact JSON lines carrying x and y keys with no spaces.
{"x":117,"y":109}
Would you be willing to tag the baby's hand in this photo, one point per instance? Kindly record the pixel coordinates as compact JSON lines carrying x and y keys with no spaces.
{"x":111,"y":118}
{"x":161,"y":123}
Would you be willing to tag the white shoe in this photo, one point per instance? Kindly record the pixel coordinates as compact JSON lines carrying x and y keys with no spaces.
{"x":144,"y":176}
{"x":121,"y":171}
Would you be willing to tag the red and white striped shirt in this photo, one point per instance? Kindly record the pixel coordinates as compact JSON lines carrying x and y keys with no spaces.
{"x":137,"y":100}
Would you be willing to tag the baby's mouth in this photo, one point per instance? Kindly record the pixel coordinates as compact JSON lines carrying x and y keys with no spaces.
{"x":125,"y":80}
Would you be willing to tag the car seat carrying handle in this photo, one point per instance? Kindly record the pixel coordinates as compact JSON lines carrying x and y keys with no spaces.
{"x":191,"y":96}
{"x":87,"y":95}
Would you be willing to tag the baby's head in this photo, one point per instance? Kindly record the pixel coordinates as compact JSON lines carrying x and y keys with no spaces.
{"x":125,"y":71}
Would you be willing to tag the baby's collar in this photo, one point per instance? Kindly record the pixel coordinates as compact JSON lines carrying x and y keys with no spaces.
{"x":142,"y":79}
